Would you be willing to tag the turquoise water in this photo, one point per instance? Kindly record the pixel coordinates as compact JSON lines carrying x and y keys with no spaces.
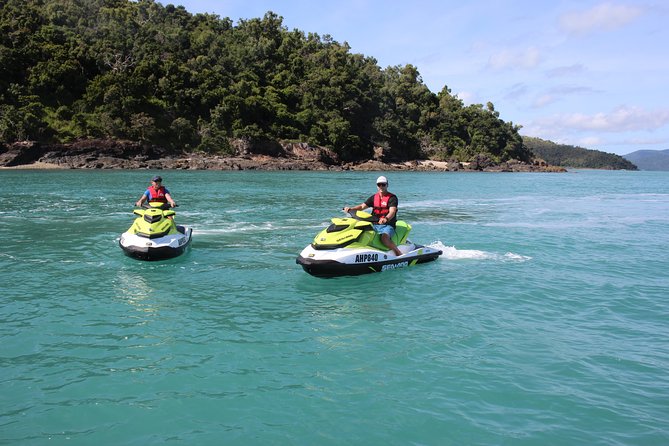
{"x":545,"y":322}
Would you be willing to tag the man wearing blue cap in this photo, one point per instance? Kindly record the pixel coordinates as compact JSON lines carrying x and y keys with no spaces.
{"x":156,"y":193}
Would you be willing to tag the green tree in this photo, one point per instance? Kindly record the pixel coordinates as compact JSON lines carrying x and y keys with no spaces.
{"x":114,"y":69}
{"x":408,"y":111}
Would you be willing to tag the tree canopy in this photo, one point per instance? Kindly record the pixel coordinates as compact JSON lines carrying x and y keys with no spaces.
{"x":138,"y":70}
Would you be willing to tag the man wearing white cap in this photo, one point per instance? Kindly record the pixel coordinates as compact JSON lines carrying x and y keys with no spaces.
{"x":384,"y":206}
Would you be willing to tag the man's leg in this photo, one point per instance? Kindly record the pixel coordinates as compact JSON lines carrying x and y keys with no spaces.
{"x":386,"y":240}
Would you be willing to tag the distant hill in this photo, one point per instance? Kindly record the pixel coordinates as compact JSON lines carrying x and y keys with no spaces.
{"x":565,"y":155}
{"x":650,"y":159}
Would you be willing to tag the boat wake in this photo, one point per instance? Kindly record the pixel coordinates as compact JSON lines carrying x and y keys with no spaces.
{"x":452,"y":253}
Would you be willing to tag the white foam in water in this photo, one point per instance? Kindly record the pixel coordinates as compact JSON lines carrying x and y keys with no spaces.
{"x":516,"y":257}
{"x":252,"y":227}
{"x":451,"y":252}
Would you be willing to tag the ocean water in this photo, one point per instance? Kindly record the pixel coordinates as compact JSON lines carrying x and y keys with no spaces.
{"x":545,"y":322}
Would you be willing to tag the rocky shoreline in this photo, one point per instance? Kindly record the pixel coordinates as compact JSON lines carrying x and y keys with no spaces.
{"x":108,"y":154}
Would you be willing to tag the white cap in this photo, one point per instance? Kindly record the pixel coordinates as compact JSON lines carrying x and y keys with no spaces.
{"x":382,"y":179}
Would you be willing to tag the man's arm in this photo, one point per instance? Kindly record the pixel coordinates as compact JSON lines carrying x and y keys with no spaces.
{"x":360,"y":207}
{"x":389,"y":216}
{"x":141,"y":200}
{"x":169,"y":199}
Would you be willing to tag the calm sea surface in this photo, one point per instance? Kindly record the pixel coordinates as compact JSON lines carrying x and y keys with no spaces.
{"x":545,"y":322}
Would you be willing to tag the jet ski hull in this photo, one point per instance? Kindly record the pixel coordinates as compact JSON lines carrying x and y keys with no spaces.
{"x":162,"y":248}
{"x":353,"y":262}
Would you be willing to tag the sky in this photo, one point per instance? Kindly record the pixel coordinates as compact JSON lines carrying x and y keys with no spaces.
{"x":593,"y":74}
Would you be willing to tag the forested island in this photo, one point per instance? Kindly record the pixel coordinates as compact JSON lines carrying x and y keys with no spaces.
{"x":566,"y":155}
{"x":120,"y":83}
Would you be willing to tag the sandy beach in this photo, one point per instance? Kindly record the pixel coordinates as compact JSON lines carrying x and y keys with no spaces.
{"x":33,"y":166}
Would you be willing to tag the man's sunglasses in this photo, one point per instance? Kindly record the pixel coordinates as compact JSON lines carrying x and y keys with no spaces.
{"x":382,"y":184}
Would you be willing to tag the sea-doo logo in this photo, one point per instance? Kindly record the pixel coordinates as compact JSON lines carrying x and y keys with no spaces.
{"x":394,"y":266}
{"x":363,"y":258}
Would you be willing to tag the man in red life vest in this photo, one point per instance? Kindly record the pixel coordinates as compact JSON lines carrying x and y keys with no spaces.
{"x":156,"y":193}
{"x":384,"y":206}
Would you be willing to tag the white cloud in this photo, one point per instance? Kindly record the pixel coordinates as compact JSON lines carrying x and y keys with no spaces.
{"x":543,"y":100}
{"x":565,"y":70}
{"x":648,"y":141}
{"x":622,"y":119}
{"x":466,"y":97}
{"x":556,"y":93}
{"x":590,"y":141}
{"x":509,"y":58}
{"x":516,"y":91}
{"x":605,"y":16}
{"x":630,"y":144}
{"x":570,"y":89}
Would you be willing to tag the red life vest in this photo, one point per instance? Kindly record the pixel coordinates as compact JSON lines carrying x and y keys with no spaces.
{"x":381,"y":207}
{"x":157,"y":195}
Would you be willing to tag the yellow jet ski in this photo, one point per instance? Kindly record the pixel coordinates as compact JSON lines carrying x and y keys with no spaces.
{"x":154,"y":235}
{"x":350,"y":246}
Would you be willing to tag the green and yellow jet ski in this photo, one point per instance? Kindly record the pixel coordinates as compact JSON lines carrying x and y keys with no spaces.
{"x":154,"y":235}
{"x":350,"y":246}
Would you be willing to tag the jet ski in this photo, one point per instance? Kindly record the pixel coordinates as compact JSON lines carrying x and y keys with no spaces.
{"x":154,"y":235}
{"x":350,"y":246}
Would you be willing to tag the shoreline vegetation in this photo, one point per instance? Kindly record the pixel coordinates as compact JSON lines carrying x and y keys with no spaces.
{"x":200,"y":91}
{"x":138,"y":85}
{"x":108,"y":154}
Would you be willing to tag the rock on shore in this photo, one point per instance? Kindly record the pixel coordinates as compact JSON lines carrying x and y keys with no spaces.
{"x":112,"y":154}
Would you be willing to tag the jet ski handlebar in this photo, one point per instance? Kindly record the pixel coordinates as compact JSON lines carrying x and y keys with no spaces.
{"x":364,"y":217}
{"x":164,"y":207}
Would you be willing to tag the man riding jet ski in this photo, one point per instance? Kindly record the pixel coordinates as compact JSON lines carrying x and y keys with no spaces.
{"x":365,"y":243}
{"x":350,"y":246}
{"x":154,"y":235}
